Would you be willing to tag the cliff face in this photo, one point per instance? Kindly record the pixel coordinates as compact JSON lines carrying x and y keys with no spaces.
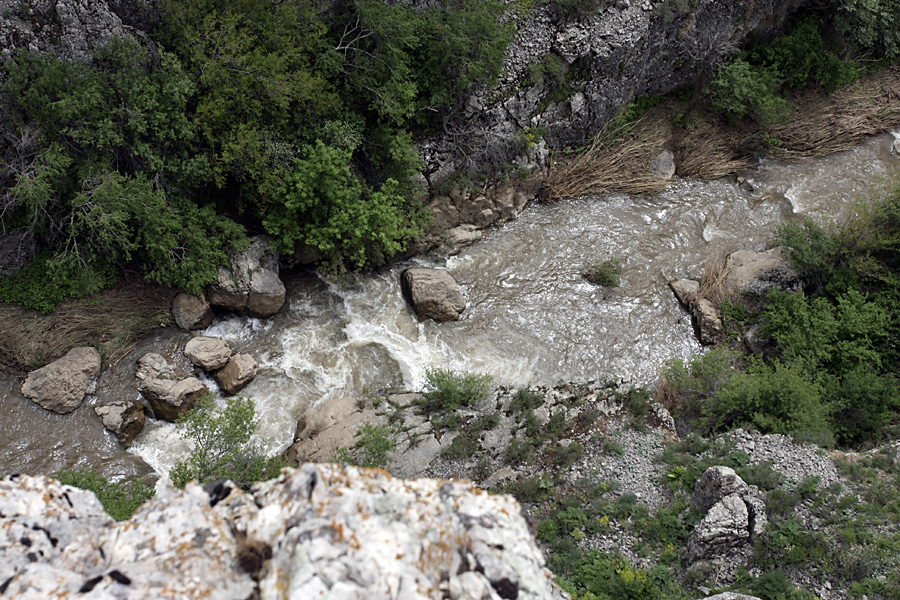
{"x":568,"y":79}
{"x":318,"y":531}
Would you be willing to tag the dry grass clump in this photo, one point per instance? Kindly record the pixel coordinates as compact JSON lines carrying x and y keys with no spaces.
{"x":842,"y":120}
{"x":715,"y":271}
{"x":708,"y":147}
{"x":617,"y":161}
{"x":112,"y":321}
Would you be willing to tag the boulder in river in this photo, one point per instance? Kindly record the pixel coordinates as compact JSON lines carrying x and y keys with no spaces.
{"x":153,"y":366}
{"x":62,"y":385}
{"x":433,"y":293}
{"x":758,"y":272}
{"x":171,"y":399}
{"x":685,"y":290}
{"x":251,"y":286}
{"x":125,"y":418}
{"x":708,"y":321}
{"x":240,"y":370}
{"x":191,"y":312}
{"x":208,"y":353}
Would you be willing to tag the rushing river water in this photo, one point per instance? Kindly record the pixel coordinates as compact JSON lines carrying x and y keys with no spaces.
{"x":531,"y":316}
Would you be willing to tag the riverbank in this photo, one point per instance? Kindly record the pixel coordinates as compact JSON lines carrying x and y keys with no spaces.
{"x":705,"y":145}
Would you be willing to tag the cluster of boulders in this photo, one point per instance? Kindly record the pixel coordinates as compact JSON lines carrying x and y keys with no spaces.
{"x":745,"y":273}
{"x":172,"y":396}
{"x":251,"y":287}
{"x":318,"y":531}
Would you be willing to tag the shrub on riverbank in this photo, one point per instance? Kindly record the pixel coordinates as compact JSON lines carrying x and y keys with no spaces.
{"x":833,"y":377}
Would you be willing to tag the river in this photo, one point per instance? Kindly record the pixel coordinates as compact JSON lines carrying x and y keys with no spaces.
{"x":531,"y":316}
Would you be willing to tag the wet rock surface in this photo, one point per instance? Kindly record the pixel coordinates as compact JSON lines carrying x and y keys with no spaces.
{"x":234,"y":376}
{"x":125,"y":418}
{"x":208,"y":353}
{"x":192,"y":312}
{"x":317,"y":530}
{"x":433,"y":293}
{"x":62,"y":385}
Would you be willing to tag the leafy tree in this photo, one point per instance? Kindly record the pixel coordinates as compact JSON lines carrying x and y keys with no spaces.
{"x":322,"y":204}
{"x":873,"y":24}
{"x":262,"y":69}
{"x":119,"y":499}
{"x":112,"y":152}
{"x":222,"y":447}
{"x":740,"y":89}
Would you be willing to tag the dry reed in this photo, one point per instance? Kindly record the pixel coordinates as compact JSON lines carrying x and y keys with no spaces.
{"x":618,"y":159}
{"x":111,"y":321}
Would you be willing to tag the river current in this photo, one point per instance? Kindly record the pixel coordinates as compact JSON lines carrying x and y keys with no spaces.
{"x":531,"y":317}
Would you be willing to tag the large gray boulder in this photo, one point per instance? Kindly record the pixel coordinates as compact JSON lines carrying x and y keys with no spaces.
{"x":318,"y":531}
{"x":251,"y":286}
{"x":208,"y":353}
{"x":240,"y":370}
{"x":62,"y":385}
{"x":433,"y":293}
{"x":171,"y":399}
{"x":124,"y":418}
{"x":153,"y":366}
{"x":757,"y":272}
{"x":735,"y":515}
{"x":191,"y":312}
{"x":716,"y":483}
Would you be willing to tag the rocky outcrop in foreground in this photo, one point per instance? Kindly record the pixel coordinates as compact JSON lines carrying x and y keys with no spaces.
{"x":318,"y":531}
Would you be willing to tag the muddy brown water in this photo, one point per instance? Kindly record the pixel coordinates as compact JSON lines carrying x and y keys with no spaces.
{"x":531,"y":316}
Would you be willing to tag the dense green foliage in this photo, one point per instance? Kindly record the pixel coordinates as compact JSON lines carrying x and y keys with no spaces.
{"x":119,"y":499}
{"x":295,"y":118}
{"x":221,"y":445}
{"x":105,"y":155}
{"x":753,"y":83}
{"x":833,"y":375}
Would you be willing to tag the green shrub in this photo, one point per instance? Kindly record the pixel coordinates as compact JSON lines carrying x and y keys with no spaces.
{"x":524,"y":400}
{"x":450,"y":390}
{"x":373,"y":443}
{"x":761,"y":475}
{"x":119,"y":499}
{"x":778,"y":399}
{"x":607,"y":273}
{"x":222,"y":447}
{"x":740,"y":89}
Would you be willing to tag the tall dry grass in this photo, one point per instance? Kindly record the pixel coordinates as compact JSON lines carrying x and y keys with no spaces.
{"x":111,"y":321}
{"x":619,"y":157}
